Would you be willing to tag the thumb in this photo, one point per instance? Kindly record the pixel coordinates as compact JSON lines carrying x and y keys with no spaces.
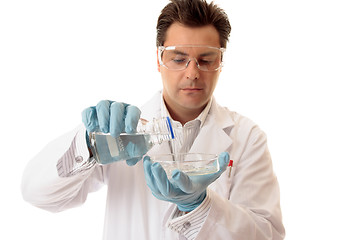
{"x":223,"y":161}
{"x":133,"y":161}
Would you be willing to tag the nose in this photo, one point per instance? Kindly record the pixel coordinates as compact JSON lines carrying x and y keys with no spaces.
{"x":192,"y":69}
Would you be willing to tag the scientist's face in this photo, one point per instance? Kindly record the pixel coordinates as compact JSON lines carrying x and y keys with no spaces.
{"x":190,"y":89}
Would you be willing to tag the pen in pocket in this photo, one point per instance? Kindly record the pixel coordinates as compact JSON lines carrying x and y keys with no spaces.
{"x":230,"y":167}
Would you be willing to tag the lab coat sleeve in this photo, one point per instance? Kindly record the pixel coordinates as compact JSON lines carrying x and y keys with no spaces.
{"x":43,"y":187}
{"x":189,"y":225}
{"x":251,"y":210}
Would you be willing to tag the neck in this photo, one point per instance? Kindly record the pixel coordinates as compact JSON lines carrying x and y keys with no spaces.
{"x":184,"y":115}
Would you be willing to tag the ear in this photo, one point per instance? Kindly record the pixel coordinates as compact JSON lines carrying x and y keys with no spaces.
{"x":157,"y":58}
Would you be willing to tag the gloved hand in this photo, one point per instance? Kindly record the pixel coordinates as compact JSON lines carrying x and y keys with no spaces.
{"x":187,"y":192}
{"x":114,"y":118}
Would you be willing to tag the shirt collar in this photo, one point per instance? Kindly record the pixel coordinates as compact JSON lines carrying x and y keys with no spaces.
{"x":202,"y":116}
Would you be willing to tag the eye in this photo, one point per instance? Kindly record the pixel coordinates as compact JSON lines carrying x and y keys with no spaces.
{"x":179,"y":60}
{"x":206,"y":61}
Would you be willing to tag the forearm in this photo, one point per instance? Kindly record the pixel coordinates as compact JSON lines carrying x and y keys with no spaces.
{"x":219,"y":218}
{"x":43,"y":187}
{"x":227,"y":220}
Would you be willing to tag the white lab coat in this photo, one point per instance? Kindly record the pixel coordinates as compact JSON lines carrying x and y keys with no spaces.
{"x":244,"y":205}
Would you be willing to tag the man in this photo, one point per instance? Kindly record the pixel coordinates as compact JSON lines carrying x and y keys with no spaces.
{"x":241,"y":202}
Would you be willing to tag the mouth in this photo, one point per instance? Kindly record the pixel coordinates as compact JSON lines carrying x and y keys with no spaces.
{"x":191,"y":89}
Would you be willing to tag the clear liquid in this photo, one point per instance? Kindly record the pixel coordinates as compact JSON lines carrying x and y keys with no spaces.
{"x":191,"y":170}
{"x":192,"y":164}
{"x":107,"y":149}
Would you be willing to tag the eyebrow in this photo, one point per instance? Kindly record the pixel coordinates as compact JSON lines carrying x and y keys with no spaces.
{"x":180,"y":53}
{"x":201,"y":55}
{"x":207,"y":54}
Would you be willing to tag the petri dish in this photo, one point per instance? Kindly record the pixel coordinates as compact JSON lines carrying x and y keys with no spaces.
{"x":190,"y":163}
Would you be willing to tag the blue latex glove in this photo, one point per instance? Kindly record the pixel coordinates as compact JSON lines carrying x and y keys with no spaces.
{"x":114,"y":118}
{"x":187,"y":192}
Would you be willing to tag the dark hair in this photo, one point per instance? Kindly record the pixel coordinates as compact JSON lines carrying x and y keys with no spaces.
{"x":193,"y":13}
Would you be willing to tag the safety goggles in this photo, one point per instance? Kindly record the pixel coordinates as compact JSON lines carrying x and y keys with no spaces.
{"x":177,"y":58}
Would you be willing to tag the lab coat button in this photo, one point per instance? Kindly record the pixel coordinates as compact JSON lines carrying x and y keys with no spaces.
{"x":78,"y":159}
{"x":186,"y":225}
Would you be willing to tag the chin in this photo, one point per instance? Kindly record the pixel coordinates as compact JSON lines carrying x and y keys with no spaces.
{"x":192,"y":104}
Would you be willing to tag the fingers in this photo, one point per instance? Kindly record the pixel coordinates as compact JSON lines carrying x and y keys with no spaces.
{"x":161,"y":180}
{"x":89,"y":118}
{"x":117,"y":124}
{"x":103,"y":115}
{"x":111,"y":117}
{"x":183,"y":181}
{"x":150,"y":180}
{"x":157,"y":180}
{"x":224,"y":159}
{"x":135,"y":152}
{"x":123,"y":117}
{"x":132,"y":118}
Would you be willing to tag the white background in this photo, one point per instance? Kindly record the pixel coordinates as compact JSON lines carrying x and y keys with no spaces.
{"x":291,"y":66}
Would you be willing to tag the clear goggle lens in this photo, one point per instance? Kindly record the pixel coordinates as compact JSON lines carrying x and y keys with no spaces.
{"x":178,"y":57}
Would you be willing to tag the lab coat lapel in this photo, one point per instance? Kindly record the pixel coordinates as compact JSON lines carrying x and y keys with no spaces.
{"x":152,"y":109}
{"x":212,"y":137}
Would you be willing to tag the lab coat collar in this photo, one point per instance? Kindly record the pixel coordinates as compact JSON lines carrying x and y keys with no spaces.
{"x":202,"y":116}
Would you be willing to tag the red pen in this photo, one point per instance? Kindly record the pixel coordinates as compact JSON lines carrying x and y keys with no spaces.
{"x":230,"y":167}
